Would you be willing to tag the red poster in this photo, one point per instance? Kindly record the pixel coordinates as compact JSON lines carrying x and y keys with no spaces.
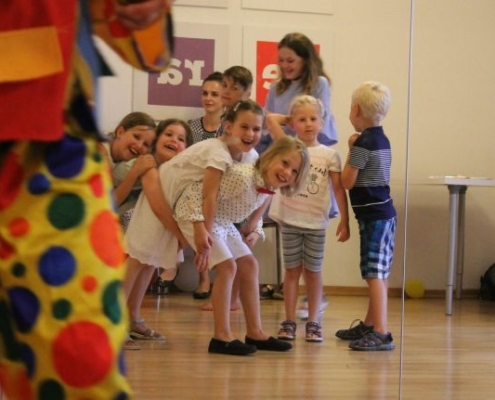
{"x":266,"y":68}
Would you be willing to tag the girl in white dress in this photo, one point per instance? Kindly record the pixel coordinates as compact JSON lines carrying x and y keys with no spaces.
{"x":242,"y":190}
{"x":149,"y":218}
{"x":153,"y":239}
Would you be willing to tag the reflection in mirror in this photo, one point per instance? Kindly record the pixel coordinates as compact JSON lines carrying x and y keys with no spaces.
{"x":452,"y":105}
{"x":360,"y":41}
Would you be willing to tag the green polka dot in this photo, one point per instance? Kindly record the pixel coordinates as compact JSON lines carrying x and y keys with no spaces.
{"x":97,"y":156}
{"x":52,"y":390}
{"x":8,"y":344}
{"x":61,"y":309}
{"x":111,"y":304}
{"x":18,"y":270}
{"x":66,"y":211}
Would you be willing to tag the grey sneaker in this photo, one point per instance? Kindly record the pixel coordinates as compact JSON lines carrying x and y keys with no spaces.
{"x":355,"y":331}
{"x":303,"y":313}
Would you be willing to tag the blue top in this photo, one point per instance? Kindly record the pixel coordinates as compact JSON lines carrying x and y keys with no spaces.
{"x":276,"y":103}
{"x":370,"y":196}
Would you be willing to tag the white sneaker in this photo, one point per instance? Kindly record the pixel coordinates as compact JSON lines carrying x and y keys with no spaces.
{"x":303,"y":313}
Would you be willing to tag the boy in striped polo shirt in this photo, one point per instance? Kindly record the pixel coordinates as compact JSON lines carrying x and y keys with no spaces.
{"x":366,"y":175}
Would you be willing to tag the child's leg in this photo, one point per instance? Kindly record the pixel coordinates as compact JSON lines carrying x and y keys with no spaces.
{"x":293,"y":247}
{"x":291,"y":291}
{"x":133,"y":268}
{"x":220,"y":299}
{"x":141,"y":283}
{"x":236,"y":295}
{"x":314,"y":290}
{"x":203,"y":290}
{"x":247,"y":276}
{"x":247,"y":271}
{"x":139,"y":329}
{"x":377,"y":305}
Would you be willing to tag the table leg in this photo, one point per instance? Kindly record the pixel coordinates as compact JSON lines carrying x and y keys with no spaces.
{"x":452,"y":248}
{"x":460,"y":242}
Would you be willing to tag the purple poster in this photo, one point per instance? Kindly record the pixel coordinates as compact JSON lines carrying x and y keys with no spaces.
{"x":180,"y":84}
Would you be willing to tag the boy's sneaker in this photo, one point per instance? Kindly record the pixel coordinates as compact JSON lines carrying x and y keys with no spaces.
{"x":303,"y":313}
{"x":355,"y":332}
{"x":373,"y":341}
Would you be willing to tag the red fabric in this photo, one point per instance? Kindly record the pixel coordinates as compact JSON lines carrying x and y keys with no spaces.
{"x":40,"y":117}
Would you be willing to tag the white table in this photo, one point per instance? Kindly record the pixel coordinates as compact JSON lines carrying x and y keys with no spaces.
{"x":457,"y":186}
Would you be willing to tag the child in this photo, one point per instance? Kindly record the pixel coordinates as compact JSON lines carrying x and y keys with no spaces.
{"x":300,"y":72}
{"x":236,"y":86}
{"x":303,"y":219}
{"x":242,"y":190}
{"x":206,"y":127}
{"x":150,"y":215}
{"x":366,"y":175}
{"x":127,"y":153}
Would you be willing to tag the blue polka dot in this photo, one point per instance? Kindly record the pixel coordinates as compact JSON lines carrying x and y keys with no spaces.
{"x":121,"y":396}
{"x":122,"y":368}
{"x":38,"y":184}
{"x":65,"y":159}
{"x":29,"y":358}
{"x":25,"y":308}
{"x":57,"y":266}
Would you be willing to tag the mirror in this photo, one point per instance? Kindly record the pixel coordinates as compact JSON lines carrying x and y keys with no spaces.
{"x":359,"y":41}
{"x":451,"y":107}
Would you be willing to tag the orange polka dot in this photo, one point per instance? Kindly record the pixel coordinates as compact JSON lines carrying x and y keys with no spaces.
{"x":96,"y":184}
{"x":89,"y":284}
{"x":19,"y":227}
{"x":105,"y":237}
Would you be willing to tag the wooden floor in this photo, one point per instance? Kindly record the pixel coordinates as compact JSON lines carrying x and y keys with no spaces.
{"x":442,"y":357}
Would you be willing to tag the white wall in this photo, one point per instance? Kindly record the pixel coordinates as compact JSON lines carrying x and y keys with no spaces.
{"x":452,"y":101}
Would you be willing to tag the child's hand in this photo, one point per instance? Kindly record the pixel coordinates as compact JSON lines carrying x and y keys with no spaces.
{"x":352,"y":139}
{"x":143,"y":164}
{"x":251,"y":238}
{"x":281,"y":119}
{"x":248,"y":227}
{"x":201,"y":260}
{"x":136,"y":15}
{"x":202,"y":239}
{"x":343,"y":232}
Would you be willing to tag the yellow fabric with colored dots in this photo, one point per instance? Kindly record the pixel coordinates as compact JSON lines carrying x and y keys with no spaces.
{"x":63,"y":318}
{"x":61,"y":265}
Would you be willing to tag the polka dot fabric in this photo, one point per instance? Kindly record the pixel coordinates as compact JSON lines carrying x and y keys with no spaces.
{"x":61,"y":267}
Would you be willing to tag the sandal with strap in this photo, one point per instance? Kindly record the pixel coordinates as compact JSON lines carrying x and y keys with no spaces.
{"x":313,"y":332}
{"x":130,"y":344}
{"x":146,"y":334}
{"x":287,"y":330}
{"x":373,"y":341}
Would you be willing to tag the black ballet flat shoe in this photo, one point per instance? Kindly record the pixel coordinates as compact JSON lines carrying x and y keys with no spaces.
{"x":201,"y":295}
{"x":271,"y":344}
{"x":233,"y":348}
